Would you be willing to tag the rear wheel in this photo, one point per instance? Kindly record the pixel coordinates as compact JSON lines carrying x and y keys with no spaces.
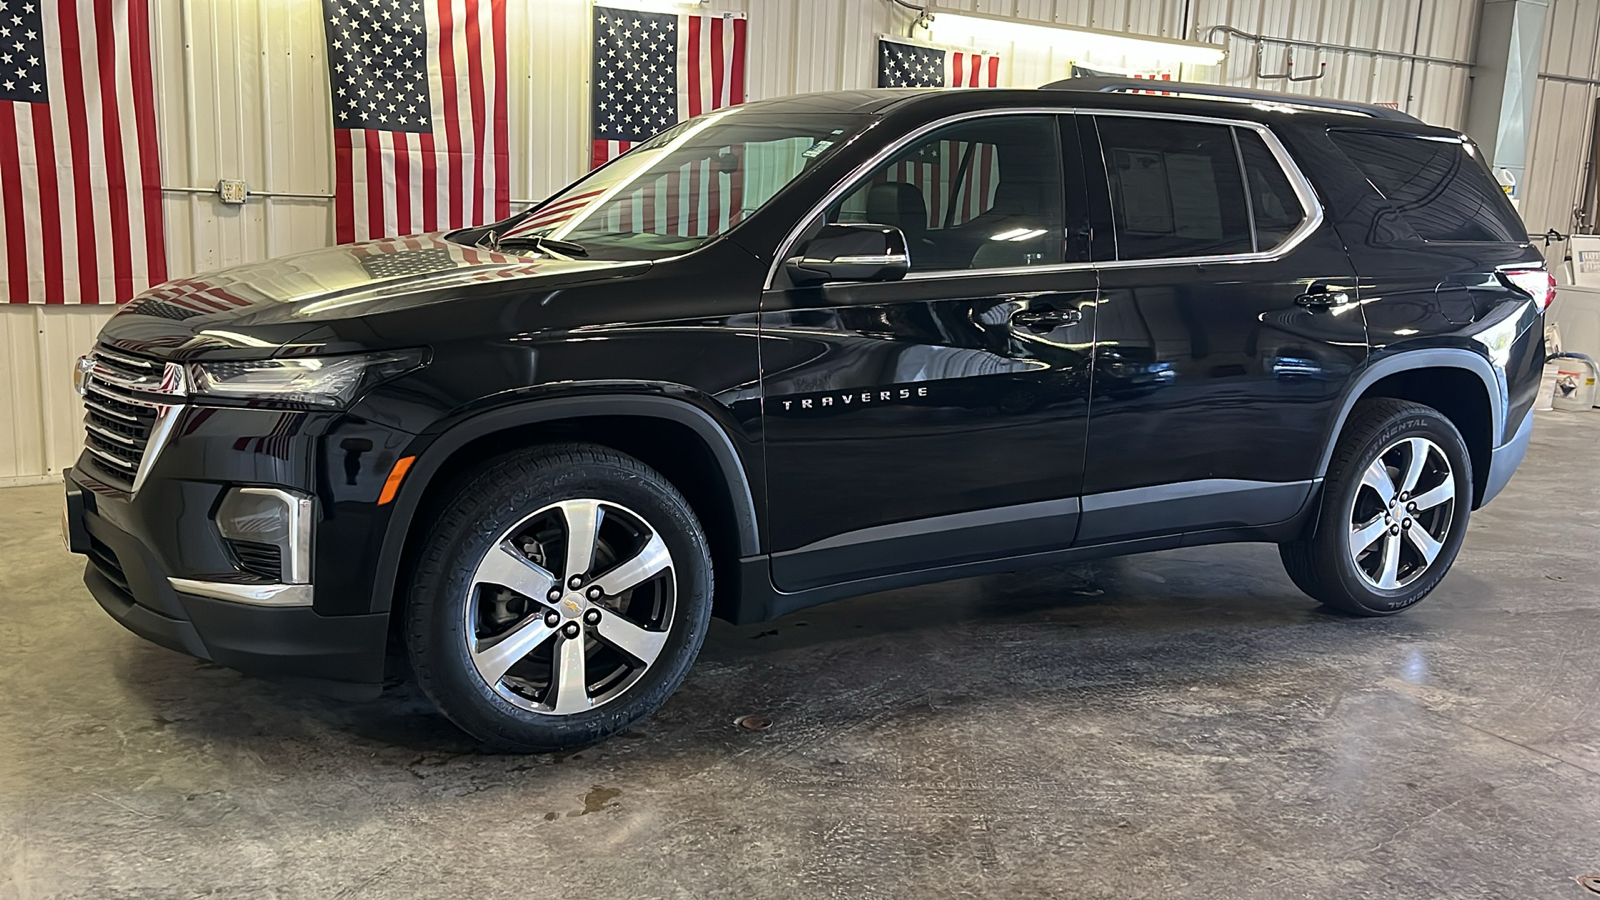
{"x":1395,"y":506}
{"x":562,"y":596}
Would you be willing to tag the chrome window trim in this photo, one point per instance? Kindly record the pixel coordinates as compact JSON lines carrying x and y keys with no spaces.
{"x":1309,"y":203}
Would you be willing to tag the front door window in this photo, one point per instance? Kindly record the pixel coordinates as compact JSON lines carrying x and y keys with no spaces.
{"x":982,"y":194}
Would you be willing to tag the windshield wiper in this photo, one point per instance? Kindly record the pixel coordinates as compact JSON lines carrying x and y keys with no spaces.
{"x":548,"y":246}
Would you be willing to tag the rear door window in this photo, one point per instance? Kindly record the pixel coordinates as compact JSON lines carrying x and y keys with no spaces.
{"x":1273,"y":203}
{"x":1441,"y":190}
{"x":1176,"y":188}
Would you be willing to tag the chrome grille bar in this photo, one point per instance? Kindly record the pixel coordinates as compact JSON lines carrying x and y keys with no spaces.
{"x":114,"y":460}
{"x":106,"y":410}
{"x":130,"y":407}
{"x":119,"y":438}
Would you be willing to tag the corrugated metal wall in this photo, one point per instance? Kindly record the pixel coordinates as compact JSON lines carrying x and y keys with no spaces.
{"x":242,"y":94}
{"x":1569,"y":85}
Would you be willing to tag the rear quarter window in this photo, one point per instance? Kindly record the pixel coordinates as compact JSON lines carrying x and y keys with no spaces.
{"x":1438,"y":187}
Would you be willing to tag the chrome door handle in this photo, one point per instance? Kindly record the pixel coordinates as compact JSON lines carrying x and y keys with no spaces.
{"x":1325,"y":298}
{"x":1042,"y":319}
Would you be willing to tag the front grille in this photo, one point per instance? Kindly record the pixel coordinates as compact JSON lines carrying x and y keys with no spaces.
{"x":119,"y":414}
{"x":265,"y":560}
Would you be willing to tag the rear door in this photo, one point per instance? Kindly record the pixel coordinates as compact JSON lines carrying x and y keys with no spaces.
{"x":1226,"y":333}
{"x":939,"y":419}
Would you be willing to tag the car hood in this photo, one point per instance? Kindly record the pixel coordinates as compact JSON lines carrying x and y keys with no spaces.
{"x":251,"y":308}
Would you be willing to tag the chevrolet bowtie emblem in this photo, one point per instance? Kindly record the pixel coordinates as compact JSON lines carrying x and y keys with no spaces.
{"x":572,"y":605}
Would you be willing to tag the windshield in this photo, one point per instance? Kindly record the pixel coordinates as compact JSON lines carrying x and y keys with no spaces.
{"x":686,"y":185}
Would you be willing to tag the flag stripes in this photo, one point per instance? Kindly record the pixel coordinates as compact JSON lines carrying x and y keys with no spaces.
{"x":80,"y":193}
{"x":973,"y":70}
{"x":954,"y":196}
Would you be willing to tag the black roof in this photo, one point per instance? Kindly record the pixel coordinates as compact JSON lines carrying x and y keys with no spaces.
{"x":1115,"y":84}
{"x":1105,"y":93}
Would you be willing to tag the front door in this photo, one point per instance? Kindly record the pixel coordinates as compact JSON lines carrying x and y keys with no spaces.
{"x":939,"y":419}
{"x":1227,"y":333}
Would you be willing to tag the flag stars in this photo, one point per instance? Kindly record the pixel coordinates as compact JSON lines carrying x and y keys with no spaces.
{"x":376,"y":63}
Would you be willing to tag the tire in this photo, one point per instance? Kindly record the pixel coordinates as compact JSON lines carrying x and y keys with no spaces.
{"x":492,"y":605}
{"x":1375,"y":580}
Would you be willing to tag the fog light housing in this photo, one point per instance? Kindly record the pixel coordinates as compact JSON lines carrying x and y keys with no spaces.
{"x":257,"y":521}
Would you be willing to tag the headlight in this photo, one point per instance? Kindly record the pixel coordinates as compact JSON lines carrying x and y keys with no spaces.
{"x":314,"y":381}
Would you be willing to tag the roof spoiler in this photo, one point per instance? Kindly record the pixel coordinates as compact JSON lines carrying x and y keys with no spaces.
{"x":1116,"y":83}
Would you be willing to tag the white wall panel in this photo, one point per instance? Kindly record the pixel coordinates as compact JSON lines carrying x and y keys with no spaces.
{"x":1558,"y":148}
{"x":242,"y":93}
{"x":39,"y":412}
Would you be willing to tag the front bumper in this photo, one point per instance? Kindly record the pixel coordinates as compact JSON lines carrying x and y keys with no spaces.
{"x":343,"y":654}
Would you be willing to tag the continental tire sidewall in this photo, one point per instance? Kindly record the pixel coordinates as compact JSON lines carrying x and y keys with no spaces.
{"x":504,"y":494}
{"x":1334,"y":530}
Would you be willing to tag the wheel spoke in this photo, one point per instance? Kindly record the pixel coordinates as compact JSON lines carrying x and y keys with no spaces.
{"x":494,"y":659}
{"x":1423,"y":541}
{"x":583,"y":530}
{"x":1377,"y":478}
{"x":1419,"y":458}
{"x":570,"y":693}
{"x":640,"y":643}
{"x":1363,"y":536}
{"x":507,"y":567}
{"x":1434,"y":496}
{"x":650,"y":561}
{"x":1389,"y":578}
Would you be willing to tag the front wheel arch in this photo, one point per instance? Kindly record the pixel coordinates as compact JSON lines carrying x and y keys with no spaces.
{"x":725,"y":500}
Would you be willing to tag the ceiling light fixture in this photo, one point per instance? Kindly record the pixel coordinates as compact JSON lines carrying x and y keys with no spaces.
{"x":954,"y":27}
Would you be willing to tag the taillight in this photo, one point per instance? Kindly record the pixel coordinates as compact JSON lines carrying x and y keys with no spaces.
{"x":1536,"y":283}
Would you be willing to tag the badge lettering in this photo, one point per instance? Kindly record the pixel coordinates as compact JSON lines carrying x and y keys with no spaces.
{"x":876,"y":395}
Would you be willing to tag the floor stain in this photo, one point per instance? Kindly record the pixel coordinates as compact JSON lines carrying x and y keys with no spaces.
{"x":595,"y":800}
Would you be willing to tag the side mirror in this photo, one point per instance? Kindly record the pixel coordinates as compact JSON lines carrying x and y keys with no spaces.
{"x":851,"y":253}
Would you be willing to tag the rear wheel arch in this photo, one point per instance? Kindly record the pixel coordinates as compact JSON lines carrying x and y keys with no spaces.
{"x":1462,"y":385}
{"x":675,"y":437}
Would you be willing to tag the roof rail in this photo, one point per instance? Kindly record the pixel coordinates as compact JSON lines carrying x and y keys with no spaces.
{"x":1116,"y":83}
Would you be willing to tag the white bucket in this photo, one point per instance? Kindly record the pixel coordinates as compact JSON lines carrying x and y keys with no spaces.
{"x":1574,"y":383}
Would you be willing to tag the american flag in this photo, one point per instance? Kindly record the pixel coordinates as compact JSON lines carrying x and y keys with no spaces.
{"x":957,"y":179}
{"x":1086,"y":72}
{"x":913,"y":65}
{"x":80,"y":171}
{"x":651,"y":71}
{"x":419,"y":114}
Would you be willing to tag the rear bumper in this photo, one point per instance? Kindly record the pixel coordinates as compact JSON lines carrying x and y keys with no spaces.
{"x":341,"y":654}
{"x":1503,"y":460}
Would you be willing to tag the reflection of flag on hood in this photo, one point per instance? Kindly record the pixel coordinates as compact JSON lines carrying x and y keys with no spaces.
{"x":913,"y":65}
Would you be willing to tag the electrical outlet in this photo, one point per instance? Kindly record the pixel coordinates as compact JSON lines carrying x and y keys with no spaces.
{"x":232,"y":192}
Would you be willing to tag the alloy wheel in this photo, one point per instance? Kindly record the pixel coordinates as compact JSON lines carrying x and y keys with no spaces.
{"x":570,"y":606}
{"x":1402,"y":513}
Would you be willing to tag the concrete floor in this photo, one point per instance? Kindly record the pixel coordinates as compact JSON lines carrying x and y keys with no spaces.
{"x":1177,"y":725}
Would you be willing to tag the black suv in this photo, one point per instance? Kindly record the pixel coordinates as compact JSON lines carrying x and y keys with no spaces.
{"x":808,"y":348}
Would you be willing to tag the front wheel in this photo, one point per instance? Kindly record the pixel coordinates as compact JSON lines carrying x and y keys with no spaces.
{"x":1395,"y":505}
{"x":562,"y":595}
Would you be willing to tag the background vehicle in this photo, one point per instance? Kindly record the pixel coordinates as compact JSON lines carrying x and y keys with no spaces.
{"x":808,"y":348}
